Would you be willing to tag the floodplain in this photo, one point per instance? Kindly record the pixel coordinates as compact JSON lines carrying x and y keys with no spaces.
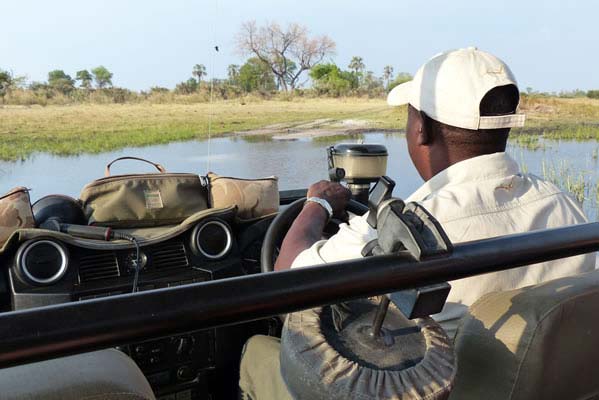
{"x":559,"y":142}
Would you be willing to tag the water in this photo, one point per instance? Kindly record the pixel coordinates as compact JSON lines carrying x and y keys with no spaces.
{"x":571,"y":165}
{"x":296,"y":163}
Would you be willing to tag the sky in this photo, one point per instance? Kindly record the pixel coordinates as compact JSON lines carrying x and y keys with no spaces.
{"x":550,"y":45}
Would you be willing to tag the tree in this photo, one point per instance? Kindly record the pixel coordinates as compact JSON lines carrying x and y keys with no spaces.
{"x":387,"y":74}
{"x":199,"y":71}
{"x":321,"y":71}
{"x":372,"y":85}
{"x":287,"y":52}
{"x":39,"y":86}
{"x":233,"y":73}
{"x":6,"y":83}
{"x":9,"y":82}
{"x":330,"y":79}
{"x":255,"y":74}
{"x":61,"y":82}
{"x":84,"y":78}
{"x":399,"y":79}
{"x":102,"y":76}
{"x":158,"y":90}
{"x":356,"y":65}
{"x":593,"y":94}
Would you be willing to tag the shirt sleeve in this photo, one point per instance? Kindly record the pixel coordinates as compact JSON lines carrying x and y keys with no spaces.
{"x":346,"y":244}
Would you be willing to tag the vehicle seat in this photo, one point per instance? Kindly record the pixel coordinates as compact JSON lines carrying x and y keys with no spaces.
{"x":101,"y":375}
{"x":538,"y":342}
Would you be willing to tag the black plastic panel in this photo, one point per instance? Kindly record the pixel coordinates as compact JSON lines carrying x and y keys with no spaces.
{"x":193,"y":365}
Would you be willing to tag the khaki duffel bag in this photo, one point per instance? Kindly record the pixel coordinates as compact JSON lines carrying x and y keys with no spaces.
{"x":254,"y":198}
{"x":143,"y":200}
{"x":15,"y":212}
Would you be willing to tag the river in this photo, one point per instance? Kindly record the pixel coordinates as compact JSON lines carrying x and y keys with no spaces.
{"x":572,"y":165}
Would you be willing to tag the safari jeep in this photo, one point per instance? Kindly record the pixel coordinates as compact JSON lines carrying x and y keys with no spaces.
{"x":164,"y":312}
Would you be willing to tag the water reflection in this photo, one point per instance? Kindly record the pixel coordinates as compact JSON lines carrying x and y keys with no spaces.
{"x":572,"y":165}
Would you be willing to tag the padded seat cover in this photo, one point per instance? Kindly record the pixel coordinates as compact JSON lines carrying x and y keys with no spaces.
{"x":538,"y":342}
{"x":106,"y":375}
{"x":313,"y":366}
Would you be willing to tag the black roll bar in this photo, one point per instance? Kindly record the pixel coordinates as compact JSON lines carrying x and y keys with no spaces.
{"x":59,"y":330}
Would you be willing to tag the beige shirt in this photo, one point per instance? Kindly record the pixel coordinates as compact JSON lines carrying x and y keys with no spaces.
{"x":478,"y":198}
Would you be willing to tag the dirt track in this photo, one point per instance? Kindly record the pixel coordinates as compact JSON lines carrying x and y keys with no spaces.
{"x":317,"y":128}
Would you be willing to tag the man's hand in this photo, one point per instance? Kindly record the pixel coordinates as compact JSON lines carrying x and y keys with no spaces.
{"x":309,"y":224}
{"x":336,"y":194}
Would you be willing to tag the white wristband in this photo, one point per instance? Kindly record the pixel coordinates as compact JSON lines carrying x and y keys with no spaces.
{"x":323,"y":203}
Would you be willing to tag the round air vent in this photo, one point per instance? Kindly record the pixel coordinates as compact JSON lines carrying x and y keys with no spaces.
{"x":212,"y":239}
{"x":42,"y":262}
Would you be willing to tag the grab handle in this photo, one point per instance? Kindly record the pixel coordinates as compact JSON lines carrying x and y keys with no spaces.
{"x":159,"y":167}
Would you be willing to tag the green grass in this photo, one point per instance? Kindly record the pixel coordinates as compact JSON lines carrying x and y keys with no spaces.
{"x":527,"y":141}
{"x":577,"y":177}
{"x":85,"y":128}
{"x":70,"y":130}
{"x":560,"y":119}
{"x":574,"y":132}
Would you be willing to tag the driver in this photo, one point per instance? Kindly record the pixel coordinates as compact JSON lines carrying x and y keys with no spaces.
{"x":461,"y":106}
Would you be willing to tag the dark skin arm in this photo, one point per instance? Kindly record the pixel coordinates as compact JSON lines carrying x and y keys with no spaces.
{"x":308,"y":226}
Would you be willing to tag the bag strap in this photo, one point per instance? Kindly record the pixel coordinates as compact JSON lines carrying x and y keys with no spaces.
{"x":159,"y":167}
{"x":15,"y":190}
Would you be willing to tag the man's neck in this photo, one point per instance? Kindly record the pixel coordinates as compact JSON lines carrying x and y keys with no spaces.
{"x":442,"y":160}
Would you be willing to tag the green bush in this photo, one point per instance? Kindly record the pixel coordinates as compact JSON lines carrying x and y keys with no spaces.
{"x":330,"y":80}
{"x":256,"y":75}
{"x":6,"y":83}
{"x":593,"y":94}
{"x":571,"y":94}
{"x":188,"y":87}
{"x":61,"y":82}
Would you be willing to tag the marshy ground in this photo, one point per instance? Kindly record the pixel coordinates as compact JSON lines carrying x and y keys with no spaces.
{"x":95,"y":128}
{"x":559,"y":142}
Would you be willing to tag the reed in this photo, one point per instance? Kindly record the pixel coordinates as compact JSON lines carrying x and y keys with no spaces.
{"x":581,"y":184}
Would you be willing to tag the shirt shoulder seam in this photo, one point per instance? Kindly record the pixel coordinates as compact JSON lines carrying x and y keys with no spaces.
{"x":481,"y":179}
{"x":502,"y":208}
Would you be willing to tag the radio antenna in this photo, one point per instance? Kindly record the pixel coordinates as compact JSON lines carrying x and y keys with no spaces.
{"x":211,"y":105}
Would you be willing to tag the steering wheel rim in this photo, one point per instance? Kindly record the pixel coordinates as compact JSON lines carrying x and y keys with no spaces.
{"x":281,"y":224}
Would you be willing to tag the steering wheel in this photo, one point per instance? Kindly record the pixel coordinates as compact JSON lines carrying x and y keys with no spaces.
{"x":281,"y":224}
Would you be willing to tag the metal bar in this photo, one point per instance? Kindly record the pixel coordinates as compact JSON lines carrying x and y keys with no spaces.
{"x":59,"y":330}
{"x":379,"y":317}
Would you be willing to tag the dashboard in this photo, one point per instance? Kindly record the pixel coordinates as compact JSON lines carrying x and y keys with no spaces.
{"x":195,"y":365}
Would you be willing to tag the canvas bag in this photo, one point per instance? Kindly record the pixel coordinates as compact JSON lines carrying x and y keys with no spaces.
{"x":15,"y":212}
{"x":143,"y":200}
{"x":254,"y":198}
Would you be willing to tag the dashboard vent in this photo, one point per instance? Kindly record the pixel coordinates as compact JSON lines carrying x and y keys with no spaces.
{"x":169,"y":255}
{"x":101,"y":265}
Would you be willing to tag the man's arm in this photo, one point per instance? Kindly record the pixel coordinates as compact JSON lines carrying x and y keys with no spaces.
{"x":308,"y":226}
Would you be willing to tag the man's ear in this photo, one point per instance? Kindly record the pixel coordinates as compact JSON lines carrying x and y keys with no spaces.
{"x":423,"y":129}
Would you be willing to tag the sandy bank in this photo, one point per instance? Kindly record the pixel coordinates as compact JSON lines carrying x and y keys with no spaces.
{"x":316,"y":128}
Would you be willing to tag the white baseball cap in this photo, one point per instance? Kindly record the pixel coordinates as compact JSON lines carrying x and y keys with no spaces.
{"x":450,"y":86}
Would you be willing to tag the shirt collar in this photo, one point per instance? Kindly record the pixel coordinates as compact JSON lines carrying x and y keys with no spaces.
{"x":479,"y":168}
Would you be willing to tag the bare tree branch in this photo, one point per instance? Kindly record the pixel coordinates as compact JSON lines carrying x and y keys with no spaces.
{"x":288,"y":52}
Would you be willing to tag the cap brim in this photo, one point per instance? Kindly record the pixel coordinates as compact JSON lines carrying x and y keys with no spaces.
{"x":400,"y":95}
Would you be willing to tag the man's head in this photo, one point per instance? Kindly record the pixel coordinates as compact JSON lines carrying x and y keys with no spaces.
{"x":462,"y":104}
